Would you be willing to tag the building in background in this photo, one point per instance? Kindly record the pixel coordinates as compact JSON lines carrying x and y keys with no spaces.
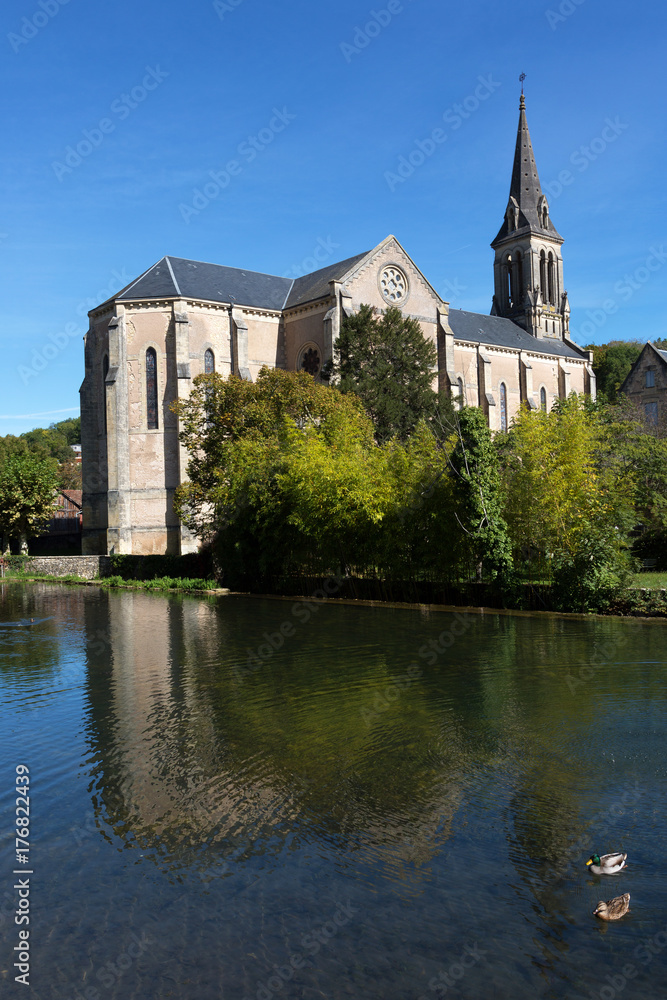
{"x":646,"y":385}
{"x":182,"y":318}
{"x":63,"y":533}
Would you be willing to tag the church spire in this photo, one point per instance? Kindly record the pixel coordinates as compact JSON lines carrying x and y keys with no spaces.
{"x":527,"y":209}
{"x":528,"y":270}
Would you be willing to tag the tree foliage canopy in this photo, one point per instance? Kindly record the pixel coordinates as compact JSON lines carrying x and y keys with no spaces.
{"x":289,"y":479}
{"x":53,"y":443}
{"x":386,"y":360}
{"x":28,"y":495}
{"x":478,"y":497}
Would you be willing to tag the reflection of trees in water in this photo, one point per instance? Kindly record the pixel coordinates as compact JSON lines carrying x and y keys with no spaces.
{"x":552,"y":744}
{"x":195,"y":763}
{"x":36,"y":650}
{"x":189,"y":755}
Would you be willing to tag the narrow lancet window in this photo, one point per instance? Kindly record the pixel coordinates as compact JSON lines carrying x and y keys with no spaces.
{"x":543,"y":399}
{"x":209,"y":362}
{"x":151,"y":389}
{"x":503,"y":407}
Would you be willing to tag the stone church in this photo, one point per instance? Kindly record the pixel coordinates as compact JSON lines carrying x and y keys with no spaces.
{"x":181,"y":318}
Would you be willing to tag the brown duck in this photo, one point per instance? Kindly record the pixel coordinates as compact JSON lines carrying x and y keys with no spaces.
{"x":613,"y":909}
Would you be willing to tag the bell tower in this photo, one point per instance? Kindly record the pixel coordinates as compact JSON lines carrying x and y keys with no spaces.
{"x":528,"y":269}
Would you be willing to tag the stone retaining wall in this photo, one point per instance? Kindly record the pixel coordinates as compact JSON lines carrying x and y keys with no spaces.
{"x":86,"y":566}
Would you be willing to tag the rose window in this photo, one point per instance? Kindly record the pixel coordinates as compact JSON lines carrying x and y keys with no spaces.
{"x":393,"y":284}
{"x":310,"y":361}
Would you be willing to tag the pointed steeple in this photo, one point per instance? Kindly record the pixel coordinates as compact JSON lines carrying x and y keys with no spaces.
{"x":527,"y":209}
{"x":528,"y":268}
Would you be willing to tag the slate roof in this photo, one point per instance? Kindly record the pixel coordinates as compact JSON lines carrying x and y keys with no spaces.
{"x":174,"y":277}
{"x":663,"y":354}
{"x":316,"y":285}
{"x":525,"y":187}
{"x":499,"y":332}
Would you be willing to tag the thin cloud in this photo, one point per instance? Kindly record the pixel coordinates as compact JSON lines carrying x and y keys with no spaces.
{"x":29,"y":416}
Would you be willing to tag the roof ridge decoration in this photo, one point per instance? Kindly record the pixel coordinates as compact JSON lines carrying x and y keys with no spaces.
{"x":527,"y":207}
{"x":289,"y":292}
{"x":173,"y":276}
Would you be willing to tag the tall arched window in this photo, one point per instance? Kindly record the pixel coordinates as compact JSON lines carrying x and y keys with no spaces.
{"x":543,"y":399}
{"x":503,"y":407}
{"x":151,"y":389}
{"x":543,"y":275}
{"x":460,"y":393}
{"x":105,"y":372}
{"x":552,"y":280}
{"x":209,"y":362}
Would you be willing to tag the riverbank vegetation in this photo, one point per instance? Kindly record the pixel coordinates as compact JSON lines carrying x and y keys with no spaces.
{"x":18,"y":567}
{"x":289,"y":480}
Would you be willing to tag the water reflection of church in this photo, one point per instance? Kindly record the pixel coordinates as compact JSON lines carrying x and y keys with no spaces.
{"x":201,"y":768}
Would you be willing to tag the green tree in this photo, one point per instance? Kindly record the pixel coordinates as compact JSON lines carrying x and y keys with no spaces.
{"x":568,"y":509}
{"x":637,"y":456}
{"x":28,"y":496}
{"x":50,"y":442}
{"x":478,"y":499}
{"x":280,"y":470}
{"x":386,"y":360}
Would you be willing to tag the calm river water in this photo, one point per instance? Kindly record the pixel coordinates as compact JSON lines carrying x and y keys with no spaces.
{"x":236,"y":798}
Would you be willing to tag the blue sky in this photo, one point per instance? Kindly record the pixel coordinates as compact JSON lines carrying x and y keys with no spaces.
{"x":115,"y":115}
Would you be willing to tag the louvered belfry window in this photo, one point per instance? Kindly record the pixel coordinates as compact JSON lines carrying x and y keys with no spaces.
{"x":151,"y":389}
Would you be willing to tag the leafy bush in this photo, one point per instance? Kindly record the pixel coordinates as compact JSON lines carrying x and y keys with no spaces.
{"x":593,"y":579}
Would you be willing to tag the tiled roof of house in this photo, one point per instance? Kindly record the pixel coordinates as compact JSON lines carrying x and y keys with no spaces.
{"x":74,"y":496}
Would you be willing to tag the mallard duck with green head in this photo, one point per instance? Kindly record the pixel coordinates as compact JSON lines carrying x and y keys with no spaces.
{"x":613,"y":909}
{"x":607,"y":864}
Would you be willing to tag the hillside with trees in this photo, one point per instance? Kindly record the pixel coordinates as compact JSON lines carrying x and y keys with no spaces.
{"x":33,"y":468}
{"x":51,"y":444}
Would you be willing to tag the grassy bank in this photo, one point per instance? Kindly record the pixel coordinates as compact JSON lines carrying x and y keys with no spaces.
{"x":165,"y":583}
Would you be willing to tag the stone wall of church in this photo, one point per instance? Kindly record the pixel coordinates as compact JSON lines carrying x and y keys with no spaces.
{"x":94,"y":466}
{"x":264,"y":341}
{"x":209,"y":330}
{"x":484,"y":377}
{"x":153,"y":453}
{"x":366,"y":287}
{"x":305,"y":327}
